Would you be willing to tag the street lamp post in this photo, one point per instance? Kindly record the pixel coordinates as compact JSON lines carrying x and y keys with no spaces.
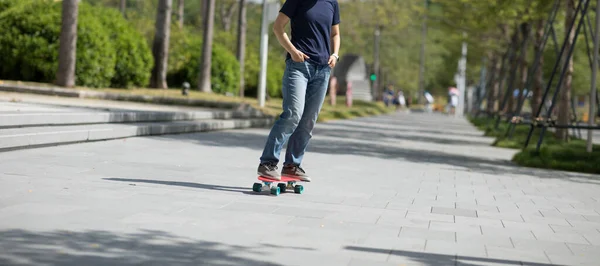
{"x":269,"y":14}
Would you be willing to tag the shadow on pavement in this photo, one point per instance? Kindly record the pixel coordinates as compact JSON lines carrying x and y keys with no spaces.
{"x":440,"y":259}
{"x":352,"y":141}
{"x":243,"y":190}
{"x":382,"y":133}
{"x":154,"y":247}
{"x":149,"y":247}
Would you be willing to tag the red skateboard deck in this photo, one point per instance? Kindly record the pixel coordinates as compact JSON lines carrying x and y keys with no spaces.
{"x":279,"y":188}
{"x":283,"y":179}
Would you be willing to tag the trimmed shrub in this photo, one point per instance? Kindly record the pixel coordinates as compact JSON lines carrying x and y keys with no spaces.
{"x":6,"y":4}
{"x":275,"y":69}
{"x":29,"y":42}
{"x":184,"y":64}
{"x":109,"y":51}
{"x":134,"y":58}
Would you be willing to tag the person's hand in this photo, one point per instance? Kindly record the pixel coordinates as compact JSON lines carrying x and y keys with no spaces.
{"x":299,"y":56}
{"x":332,"y":61}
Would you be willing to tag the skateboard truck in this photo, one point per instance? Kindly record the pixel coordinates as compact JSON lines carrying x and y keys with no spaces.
{"x":283,"y":185}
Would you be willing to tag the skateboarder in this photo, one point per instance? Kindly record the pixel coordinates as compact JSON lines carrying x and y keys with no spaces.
{"x":312,"y":53}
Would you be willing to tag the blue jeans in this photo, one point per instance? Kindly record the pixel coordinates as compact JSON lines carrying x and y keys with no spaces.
{"x":304,"y":88}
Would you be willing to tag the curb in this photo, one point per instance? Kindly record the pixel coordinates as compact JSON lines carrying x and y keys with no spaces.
{"x":22,"y":138}
{"x":81,"y":118}
{"x":74,"y":93}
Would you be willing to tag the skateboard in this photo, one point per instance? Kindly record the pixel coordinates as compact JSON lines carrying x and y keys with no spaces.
{"x":283,"y":185}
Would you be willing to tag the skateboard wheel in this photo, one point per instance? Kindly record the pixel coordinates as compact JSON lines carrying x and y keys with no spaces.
{"x":257,"y":187}
{"x":298,"y":189}
{"x":275,"y":191}
{"x":281,"y":187}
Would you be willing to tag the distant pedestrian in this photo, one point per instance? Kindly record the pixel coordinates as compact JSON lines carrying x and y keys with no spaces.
{"x":452,"y":100}
{"x":429,"y":102}
{"x":388,"y":96}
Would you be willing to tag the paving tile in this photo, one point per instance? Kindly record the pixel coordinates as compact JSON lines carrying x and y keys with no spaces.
{"x":584,"y":224}
{"x":427,"y":234}
{"x":500,"y":216}
{"x":505,"y":232}
{"x":362,"y":262}
{"x":578,"y":211}
{"x":454,"y":211}
{"x":498,"y":241}
{"x":402,"y":257}
{"x":545,"y":220}
{"x":251,"y":207}
{"x":592,"y":218}
{"x":513,"y":254}
{"x":559,"y":237}
{"x":573,"y":230}
{"x":477,"y":207}
{"x":479,"y":221}
{"x":455,"y":248}
{"x":301,"y":212}
{"x":568,"y":216}
{"x":401,"y":221}
{"x":363,"y":215}
{"x":527,"y":226}
{"x":593,"y":239}
{"x":540,"y":245}
{"x":429,"y":216}
{"x":454,"y":227}
{"x":574,"y":260}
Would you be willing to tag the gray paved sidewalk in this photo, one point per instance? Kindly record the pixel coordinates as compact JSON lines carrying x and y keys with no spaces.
{"x":393,"y":190}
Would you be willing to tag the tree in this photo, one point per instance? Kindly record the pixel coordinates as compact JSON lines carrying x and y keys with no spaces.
{"x":123,"y":6}
{"x":525,"y":32}
{"x":204,"y":11}
{"x":564,"y":99}
{"x":180,"y":12}
{"x":205,"y":60}
{"x":65,"y":76}
{"x":493,"y":89}
{"x":536,"y":98}
{"x":160,"y":47}
{"x":227,"y":10}
{"x":241,"y":43}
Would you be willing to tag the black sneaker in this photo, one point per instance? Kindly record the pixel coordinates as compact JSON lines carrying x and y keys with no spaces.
{"x":295,"y":171}
{"x":269,"y":170}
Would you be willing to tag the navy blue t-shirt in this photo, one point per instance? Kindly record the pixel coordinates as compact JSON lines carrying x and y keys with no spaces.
{"x":311,"y":22}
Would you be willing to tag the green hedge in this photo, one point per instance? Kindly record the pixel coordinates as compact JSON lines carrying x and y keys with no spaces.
{"x":571,"y":156}
{"x":6,"y":4}
{"x":275,"y":69}
{"x":134,"y":57}
{"x":185,"y":51}
{"x":109,"y":52}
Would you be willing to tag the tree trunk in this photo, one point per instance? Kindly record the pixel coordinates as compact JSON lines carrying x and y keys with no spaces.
{"x":538,"y":85}
{"x":564,"y":99}
{"x":504,"y":65}
{"x":205,"y":61}
{"x":241,"y":44}
{"x":204,"y":12}
{"x":493,"y":88}
{"x":160,"y":47}
{"x":525,"y":31}
{"x":227,"y":15}
{"x":180,"y":9}
{"x":67,"y":55}
{"x":514,"y":66}
{"x":122,"y":7}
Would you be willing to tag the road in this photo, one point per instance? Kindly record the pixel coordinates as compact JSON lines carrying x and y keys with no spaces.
{"x":402,"y":189}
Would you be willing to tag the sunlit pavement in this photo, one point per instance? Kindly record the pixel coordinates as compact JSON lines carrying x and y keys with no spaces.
{"x":403,"y":189}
